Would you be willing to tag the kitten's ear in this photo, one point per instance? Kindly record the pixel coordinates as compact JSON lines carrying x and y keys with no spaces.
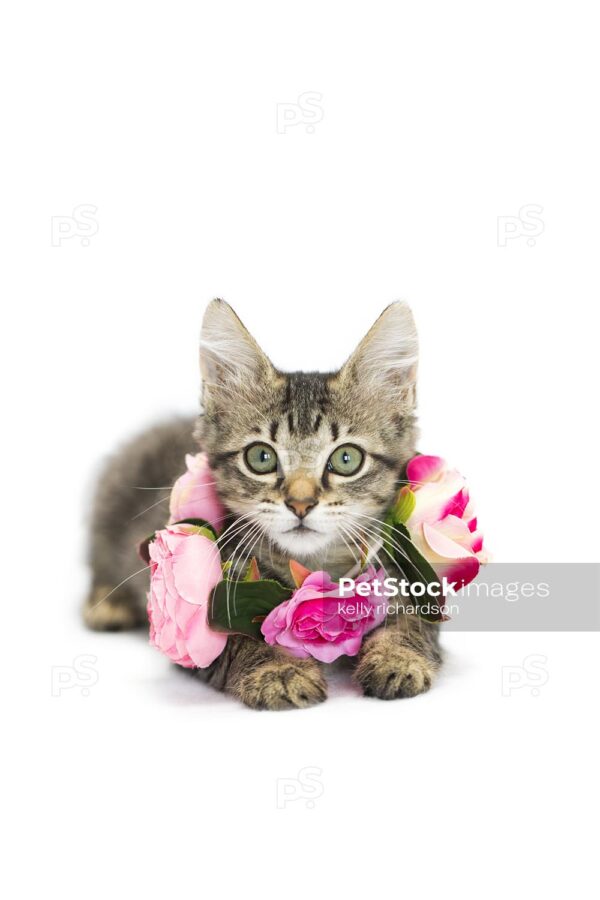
{"x":228,"y":352}
{"x":386,"y":358}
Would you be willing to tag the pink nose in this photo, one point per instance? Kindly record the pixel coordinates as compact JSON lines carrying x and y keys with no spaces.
{"x":300,"y":493}
{"x":301,"y":506}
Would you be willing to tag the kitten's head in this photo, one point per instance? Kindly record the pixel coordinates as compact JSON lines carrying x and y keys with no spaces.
{"x":313,"y":459}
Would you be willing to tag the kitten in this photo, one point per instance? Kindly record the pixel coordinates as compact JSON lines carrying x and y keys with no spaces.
{"x":308,"y":463}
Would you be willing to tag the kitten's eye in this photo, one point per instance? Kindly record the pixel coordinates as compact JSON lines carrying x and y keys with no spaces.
{"x":261,"y":458}
{"x":346,"y":460}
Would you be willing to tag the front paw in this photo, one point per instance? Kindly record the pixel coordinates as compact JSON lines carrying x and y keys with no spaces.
{"x":389,"y":671}
{"x":283,"y":683}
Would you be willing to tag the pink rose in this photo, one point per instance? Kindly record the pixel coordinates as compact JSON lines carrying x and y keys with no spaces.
{"x":194,"y":496}
{"x":442,"y":524}
{"x":184,"y":568}
{"x":319,"y":621}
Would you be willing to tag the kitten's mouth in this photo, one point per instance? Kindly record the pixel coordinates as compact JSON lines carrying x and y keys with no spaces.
{"x":301,"y":528}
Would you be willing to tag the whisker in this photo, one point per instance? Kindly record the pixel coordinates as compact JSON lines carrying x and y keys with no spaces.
{"x":376,"y":536}
{"x":167,"y":487}
{"x":121,"y":583}
{"x":248,"y":531}
{"x":238,"y":551}
{"x":258,"y":537}
{"x":158,"y":502}
{"x":148,"y":508}
{"x":394,"y":544}
{"x":234,"y":530}
{"x":360,"y":532}
{"x":357,"y":561}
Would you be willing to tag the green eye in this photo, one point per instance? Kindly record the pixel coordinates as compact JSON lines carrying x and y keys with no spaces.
{"x":261,"y":458}
{"x":346,"y":460}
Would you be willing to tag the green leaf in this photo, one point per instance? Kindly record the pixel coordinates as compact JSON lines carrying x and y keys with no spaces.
{"x":239,"y":607}
{"x":414,"y":567}
{"x":404,"y":506}
{"x":202,"y":527}
{"x":387,"y":533}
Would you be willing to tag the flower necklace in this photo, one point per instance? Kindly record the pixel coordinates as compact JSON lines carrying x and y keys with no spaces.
{"x":430,"y":535}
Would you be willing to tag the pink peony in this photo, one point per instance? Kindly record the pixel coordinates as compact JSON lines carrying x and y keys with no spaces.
{"x":184,"y":568}
{"x":442,"y":525}
{"x":194,"y":496}
{"x":319,"y":621}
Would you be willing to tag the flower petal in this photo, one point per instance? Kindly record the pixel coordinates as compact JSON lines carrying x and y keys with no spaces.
{"x":443,"y":545}
{"x":424,"y":468}
{"x":461,"y":572}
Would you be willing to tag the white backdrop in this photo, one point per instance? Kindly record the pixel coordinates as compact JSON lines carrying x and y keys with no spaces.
{"x":309,"y":163}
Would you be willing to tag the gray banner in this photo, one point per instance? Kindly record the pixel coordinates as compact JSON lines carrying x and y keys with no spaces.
{"x":528,"y":597}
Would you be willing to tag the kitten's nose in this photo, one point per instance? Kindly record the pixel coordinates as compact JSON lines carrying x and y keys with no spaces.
{"x":300,"y":495}
{"x":301,"y":507}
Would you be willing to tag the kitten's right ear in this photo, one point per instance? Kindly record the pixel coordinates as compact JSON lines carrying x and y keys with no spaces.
{"x":386,"y":358}
{"x":229,"y":355}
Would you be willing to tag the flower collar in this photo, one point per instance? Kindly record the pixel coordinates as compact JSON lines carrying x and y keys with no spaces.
{"x":430,"y":536}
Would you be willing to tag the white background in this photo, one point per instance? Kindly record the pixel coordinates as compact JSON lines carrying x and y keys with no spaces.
{"x":434,"y":119}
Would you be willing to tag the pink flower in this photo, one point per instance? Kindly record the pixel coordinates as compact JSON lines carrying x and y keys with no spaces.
{"x":184,"y":568}
{"x":442,"y":524}
{"x":194,"y":496}
{"x":319,"y":621}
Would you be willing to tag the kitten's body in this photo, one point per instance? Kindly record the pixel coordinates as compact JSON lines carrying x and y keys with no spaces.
{"x":303,"y":417}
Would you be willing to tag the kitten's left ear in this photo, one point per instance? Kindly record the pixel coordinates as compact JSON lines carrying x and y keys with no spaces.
{"x":386,"y":358}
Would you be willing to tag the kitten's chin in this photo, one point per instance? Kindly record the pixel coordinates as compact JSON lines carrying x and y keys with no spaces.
{"x":300,"y":543}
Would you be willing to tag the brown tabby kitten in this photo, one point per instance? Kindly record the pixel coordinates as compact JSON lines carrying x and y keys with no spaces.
{"x":307,"y":464}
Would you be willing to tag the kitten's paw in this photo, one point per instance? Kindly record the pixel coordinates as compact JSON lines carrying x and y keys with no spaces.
{"x":117,"y":612}
{"x":282,"y":684}
{"x":391,"y":671}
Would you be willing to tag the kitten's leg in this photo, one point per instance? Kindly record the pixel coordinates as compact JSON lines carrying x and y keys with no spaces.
{"x":264,"y":677}
{"x":117,"y":597}
{"x":399,"y":659}
{"x":109,"y":610}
